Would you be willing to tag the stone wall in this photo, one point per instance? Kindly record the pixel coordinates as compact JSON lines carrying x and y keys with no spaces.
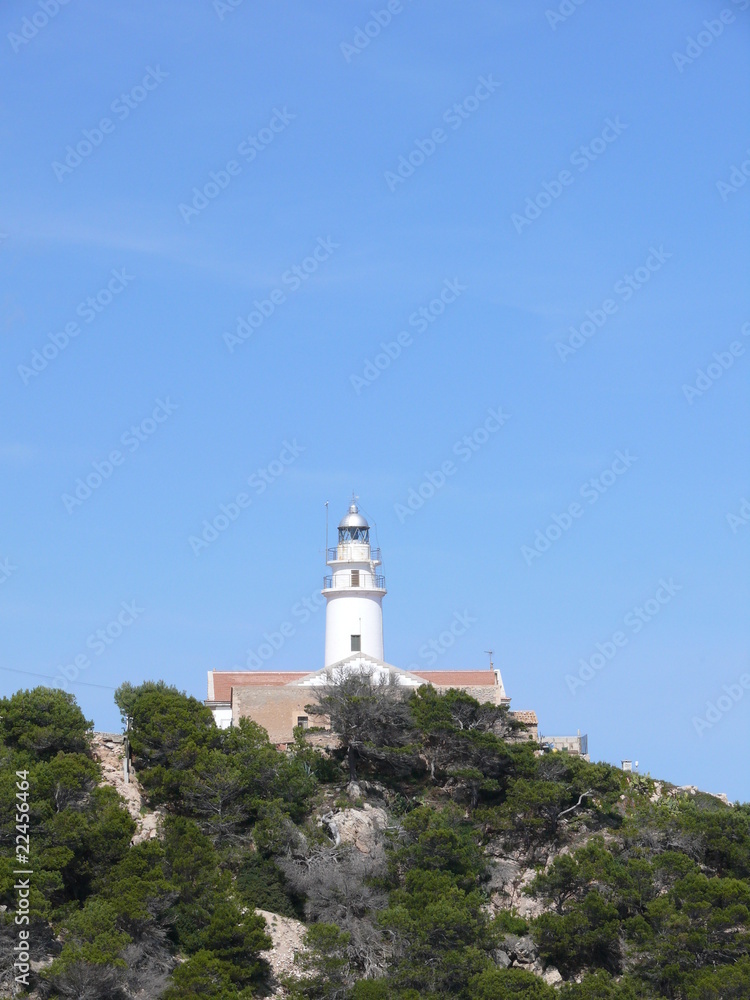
{"x":493,"y":694}
{"x":276,"y":708}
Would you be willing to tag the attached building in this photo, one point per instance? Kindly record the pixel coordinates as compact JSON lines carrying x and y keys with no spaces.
{"x":277,"y":701}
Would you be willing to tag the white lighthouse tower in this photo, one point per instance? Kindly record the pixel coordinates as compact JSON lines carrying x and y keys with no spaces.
{"x":354,"y":593}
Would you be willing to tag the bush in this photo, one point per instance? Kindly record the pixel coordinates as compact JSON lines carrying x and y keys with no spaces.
{"x":588,"y":936}
{"x":509,"y":984}
{"x":261,"y":884}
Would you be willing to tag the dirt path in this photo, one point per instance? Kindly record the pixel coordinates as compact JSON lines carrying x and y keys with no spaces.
{"x":109,"y":750}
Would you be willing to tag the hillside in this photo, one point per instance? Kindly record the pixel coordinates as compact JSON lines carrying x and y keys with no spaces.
{"x":428,"y":853}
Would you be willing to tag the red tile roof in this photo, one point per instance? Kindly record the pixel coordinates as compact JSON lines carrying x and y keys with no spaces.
{"x":225,"y":680}
{"x":458,"y":678}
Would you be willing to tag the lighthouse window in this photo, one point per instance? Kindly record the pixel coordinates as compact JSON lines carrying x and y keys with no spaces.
{"x":354,"y":535}
{"x":355,"y":578}
{"x":356,"y":643}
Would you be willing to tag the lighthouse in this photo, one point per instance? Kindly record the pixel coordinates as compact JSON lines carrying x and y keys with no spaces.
{"x":354,"y":593}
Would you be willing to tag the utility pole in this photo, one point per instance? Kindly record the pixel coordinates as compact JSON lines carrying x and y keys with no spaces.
{"x":126,"y":754}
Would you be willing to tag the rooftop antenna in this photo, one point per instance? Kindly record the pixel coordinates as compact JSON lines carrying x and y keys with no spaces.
{"x":326,"y":505}
{"x":489,"y":653}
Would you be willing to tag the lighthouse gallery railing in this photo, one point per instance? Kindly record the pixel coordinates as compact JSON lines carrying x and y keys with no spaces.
{"x":332,"y":554}
{"x":345,"y":580}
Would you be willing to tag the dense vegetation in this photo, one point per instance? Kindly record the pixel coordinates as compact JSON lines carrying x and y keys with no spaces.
{"x":641,"y":893}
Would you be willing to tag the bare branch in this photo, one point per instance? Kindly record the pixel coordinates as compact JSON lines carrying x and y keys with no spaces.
{"x":571,"y":808}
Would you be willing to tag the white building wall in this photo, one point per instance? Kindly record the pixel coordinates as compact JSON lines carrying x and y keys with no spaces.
{"x":222,"y":717}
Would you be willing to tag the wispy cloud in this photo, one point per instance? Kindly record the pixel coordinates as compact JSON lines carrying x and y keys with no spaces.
{"x":146,"y":239}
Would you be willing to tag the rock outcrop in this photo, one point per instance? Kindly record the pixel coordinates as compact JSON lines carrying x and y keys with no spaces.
{"x":363,"y":828}
{"x":509,"y":878}
{"x":520,"y":952}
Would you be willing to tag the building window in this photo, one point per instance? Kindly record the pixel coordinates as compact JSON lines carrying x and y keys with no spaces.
{"x":356,"y":643}
{"x":303,"y":721}
{"x":355,"y":578}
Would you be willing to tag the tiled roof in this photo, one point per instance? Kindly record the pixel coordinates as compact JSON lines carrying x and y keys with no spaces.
{"x":458,"y":678}
{"x":225,"y":680}
{"x":527,"y":717}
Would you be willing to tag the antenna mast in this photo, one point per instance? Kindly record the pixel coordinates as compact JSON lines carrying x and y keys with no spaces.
{"x":326,"y":530}
{"x":490,"y":652}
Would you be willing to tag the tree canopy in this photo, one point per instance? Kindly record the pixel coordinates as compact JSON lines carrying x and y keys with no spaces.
{"x":640,"y":894}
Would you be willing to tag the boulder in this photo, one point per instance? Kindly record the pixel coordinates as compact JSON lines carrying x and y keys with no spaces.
{"x":552,"y":976}
{"x":361,"y":827}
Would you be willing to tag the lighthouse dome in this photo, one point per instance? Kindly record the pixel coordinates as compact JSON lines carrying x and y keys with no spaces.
{"x":353,"y":527}
{"x":353,"y":519}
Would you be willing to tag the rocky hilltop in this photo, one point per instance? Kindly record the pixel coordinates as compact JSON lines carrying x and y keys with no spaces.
{"x":428,"y":853}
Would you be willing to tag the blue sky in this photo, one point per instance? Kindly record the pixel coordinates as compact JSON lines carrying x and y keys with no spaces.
{"x":540,"y":172}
